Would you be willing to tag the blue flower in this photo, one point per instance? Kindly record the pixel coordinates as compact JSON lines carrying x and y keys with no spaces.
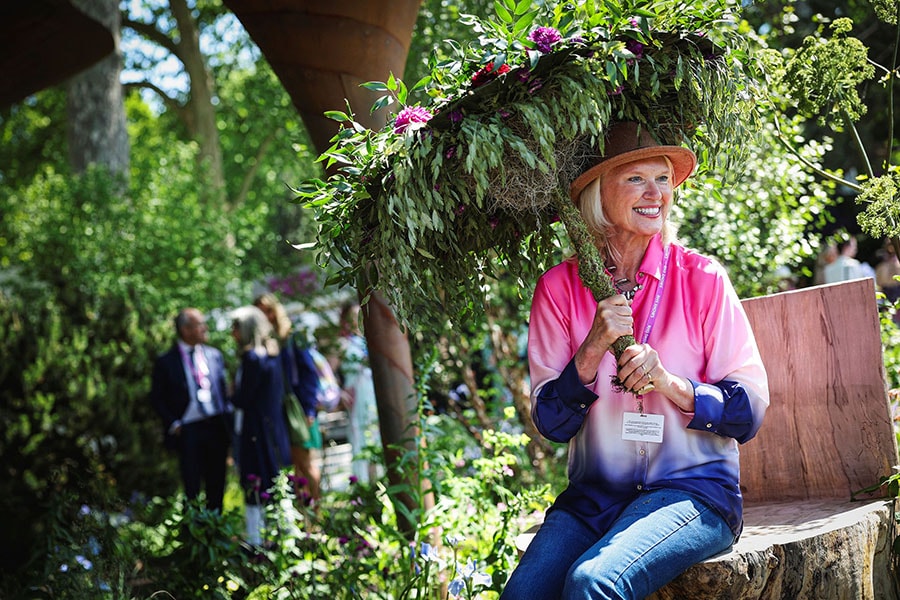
{"x":84,"y":562}
{"x":470,"y":572}
{"x":429,"y":552}
{"x":456,"y":587}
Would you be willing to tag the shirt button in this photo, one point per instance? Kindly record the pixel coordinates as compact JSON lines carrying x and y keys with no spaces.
{"x":709,"y":425}
{"x":581,"y":405}
{"x":640,"y":487}
{"x":643,"y":452}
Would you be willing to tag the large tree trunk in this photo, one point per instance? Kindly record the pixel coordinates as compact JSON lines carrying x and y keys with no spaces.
{"x":96,"y":113}
{"x":322,"y":52}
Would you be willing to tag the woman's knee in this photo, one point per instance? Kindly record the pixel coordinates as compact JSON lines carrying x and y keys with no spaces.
{"x":585,"y":582}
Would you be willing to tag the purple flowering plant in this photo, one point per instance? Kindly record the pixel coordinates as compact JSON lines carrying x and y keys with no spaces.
{"x":468,"y":180}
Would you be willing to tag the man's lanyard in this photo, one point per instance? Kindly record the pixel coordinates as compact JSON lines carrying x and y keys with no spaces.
{"x":202,"y":379}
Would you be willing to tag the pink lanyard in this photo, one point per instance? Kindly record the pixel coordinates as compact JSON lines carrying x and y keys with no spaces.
{"x":196,"y":374}
{"x":651,"y":319}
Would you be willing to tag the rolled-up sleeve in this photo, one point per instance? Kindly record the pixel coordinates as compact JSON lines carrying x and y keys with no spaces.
{"x":723,"y":408}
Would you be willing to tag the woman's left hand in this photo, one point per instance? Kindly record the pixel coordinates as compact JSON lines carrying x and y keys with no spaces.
{"x":641,"y":371}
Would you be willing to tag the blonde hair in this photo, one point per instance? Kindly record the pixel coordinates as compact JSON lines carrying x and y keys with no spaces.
{"x":282,"y":320}
{"x":254,"y":332}
{"x":590,"y":205}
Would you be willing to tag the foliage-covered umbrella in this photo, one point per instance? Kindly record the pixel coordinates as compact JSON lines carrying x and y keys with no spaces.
{"x":468,"y":184}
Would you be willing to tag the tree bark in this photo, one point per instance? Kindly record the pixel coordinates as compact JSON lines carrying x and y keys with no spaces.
{"x":96,"y":128}
{"x":392,"y":374}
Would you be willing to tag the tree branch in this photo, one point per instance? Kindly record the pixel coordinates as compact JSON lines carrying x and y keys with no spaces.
{"x":170,"y":102}
{"x":815,"y":169}
{"x":254,"y":168}
{"x":150,"y":33}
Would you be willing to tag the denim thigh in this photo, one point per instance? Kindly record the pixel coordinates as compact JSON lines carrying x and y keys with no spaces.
{"x":658,"y":537}
{"x":541,"y":571}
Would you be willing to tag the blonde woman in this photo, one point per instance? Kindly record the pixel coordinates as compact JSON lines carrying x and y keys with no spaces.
{"x":264,"y":448}
{"x":299,"y":398}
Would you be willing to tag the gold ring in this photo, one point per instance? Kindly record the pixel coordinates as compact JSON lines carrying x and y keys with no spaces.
{"x":646,"y":389}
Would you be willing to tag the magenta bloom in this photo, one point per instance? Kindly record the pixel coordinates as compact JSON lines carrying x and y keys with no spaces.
{"x":636,"y":48}
{"x":544,"y":38}
{"x":411,"y":117}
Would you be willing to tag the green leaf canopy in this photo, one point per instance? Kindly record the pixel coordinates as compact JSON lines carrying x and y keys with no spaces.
{"x":469,"y":184}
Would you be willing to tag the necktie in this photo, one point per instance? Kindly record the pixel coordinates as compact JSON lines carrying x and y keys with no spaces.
{"x":201,"y":376}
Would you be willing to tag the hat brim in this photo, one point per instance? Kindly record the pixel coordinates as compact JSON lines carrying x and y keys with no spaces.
{"x":683,"y":163}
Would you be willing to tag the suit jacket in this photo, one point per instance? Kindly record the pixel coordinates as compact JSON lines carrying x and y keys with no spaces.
{"x":170,"y":392}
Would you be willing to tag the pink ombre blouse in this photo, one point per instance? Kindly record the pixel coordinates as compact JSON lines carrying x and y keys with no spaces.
{"x":700,"y":332}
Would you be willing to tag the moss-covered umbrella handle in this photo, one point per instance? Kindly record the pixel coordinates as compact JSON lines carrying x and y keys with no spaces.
{"x":591,"y":268}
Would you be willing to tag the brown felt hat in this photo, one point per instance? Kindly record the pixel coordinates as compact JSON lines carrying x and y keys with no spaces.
{"x":627,"y":142}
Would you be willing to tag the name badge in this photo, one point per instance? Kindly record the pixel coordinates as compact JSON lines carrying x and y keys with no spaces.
{"x":204,"y":395}
{"x":637,"y":427}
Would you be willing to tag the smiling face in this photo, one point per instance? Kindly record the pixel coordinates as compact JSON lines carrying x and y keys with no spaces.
{"x":636,"y":199}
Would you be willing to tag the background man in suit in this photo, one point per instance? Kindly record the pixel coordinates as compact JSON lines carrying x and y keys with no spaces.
{"x":189,"y":393}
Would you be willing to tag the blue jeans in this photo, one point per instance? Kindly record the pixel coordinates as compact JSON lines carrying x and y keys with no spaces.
{"x":657,"y":537}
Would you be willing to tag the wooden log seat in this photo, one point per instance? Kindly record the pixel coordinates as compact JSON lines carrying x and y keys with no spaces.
{"x":828,"y":433}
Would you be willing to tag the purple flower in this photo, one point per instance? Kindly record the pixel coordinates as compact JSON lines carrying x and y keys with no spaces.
{"x":265,"y":495}
{"x":456,"y":116}
{"x":354,"y":479}
{"x":460,"y":209}
{"x":451,"y":152}
{"x":636,"y":48}
{"x":544,"y":38}
{"x":617,"y":91}
{"x":411,"y":117}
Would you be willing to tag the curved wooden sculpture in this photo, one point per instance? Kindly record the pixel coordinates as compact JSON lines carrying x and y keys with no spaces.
{"x":42,"y":42}
{"x":322,"y":51}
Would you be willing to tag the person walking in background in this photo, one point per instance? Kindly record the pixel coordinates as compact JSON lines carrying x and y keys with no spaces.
{"x":827,"y":256}
{"x":887,"y":277}
{"x":845,"y":267}
{"x":358,"y":394}
{"x":299,"y":398}
{"x":188,"y":391}
{"x":264,"y":446}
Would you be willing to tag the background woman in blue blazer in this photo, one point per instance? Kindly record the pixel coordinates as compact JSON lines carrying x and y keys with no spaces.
{"x":264,"y":448}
